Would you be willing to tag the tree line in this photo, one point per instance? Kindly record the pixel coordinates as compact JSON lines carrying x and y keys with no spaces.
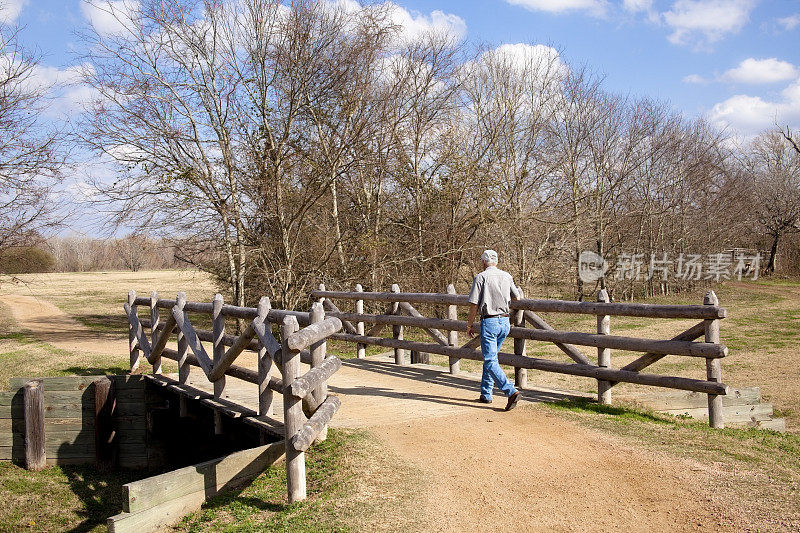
{"x":283,"y":146}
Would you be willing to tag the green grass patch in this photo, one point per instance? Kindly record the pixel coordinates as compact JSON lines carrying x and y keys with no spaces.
{"x":336,"y":469}
{"x":74,"y":498}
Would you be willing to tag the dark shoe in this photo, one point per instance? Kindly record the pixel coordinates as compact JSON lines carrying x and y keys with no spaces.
{"x":512,"y":401}
{"x":484,"y":400}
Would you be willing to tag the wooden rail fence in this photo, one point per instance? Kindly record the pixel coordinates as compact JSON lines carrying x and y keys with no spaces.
{"x":401,"y":313}
{"x":307,"y":345}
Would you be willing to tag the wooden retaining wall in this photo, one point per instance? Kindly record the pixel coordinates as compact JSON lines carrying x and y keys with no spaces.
{"x":69,"y":420}
{"x":157,"y":502}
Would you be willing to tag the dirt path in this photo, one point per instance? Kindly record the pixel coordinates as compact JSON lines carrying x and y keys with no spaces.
{"x":51,"y":325}
{"x":530,"y":471}
{"x":482,"y":469}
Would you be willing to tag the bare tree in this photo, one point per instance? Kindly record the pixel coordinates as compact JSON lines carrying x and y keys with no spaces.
{"x":31,"y":155}
{"x":774,"y":169}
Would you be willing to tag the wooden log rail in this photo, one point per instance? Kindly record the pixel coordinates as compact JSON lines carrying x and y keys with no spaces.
{"x":307,"y":345}
{"x":444,"y":334}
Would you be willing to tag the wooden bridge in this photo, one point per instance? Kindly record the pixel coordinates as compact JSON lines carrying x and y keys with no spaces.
{"x":265,"y":386}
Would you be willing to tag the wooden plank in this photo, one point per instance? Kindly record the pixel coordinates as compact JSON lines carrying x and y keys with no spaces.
{"x":218,"y":352}
{"x":695,"y":400}
{"x":553,"y":306}
{"x":397,"y":329}
{"x":275,"y":315}
{"x":105,"y":441}
{"x":211,"y":475}
{"x":698,"y":330}
{"x":313,"y":333}
{"x":191,"y":338}
{"x":634,"y":344}
{"x":266,"y":337}
{"x":292,"y":417}
{"x":54,"y":440}
{"x":603,"y":354}
{"x":316,"y":394}
{"x":133,"y":343}
{"x":163,"y":338}
{"x":317,"y":423}
{"x":227,"y":359}
{"x":733,"y":414}
{"x":713,"y":366}
{"x":267,"y":424}
{"x":141,"y":338}
{"x":518,"y":320}
{"x":33,"y":408}
{"x":574,"y":353}
{"x":361,"y":349}
{"x":346,"y":324}
{"x":155,"y":356}
{"x":590,"y":371}
{"x":437,"y":335}
{"x":620,"y":309}
{"x":452,"y":335}
{"x":412,"y":297}
{"x":77,"y":383}
{"x":316,"y":376}
{"x":227,"y":408}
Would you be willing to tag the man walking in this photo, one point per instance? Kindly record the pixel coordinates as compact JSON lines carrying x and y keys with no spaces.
{"x":490,"y":296}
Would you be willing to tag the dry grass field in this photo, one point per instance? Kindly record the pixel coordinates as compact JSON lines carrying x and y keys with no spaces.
{"x":368,"y":480}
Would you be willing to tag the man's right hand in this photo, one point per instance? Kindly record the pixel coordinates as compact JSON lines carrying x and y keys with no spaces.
{"x":470,"y":331}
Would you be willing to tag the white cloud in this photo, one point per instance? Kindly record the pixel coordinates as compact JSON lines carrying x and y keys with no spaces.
{"x":64,"y":87}
{"x":10,"y":10}
{"x":703,"y":22}
{"x":748,"y":115}
{"x":789,"y":23}
{"x":696,"y":79}
{"x":109,"y":17}
{"x":415,"y":25}
{"x":538,"y":59}
{"x":635,"y":6}
{"x":593,"y":7}
{"x":755,"y":71}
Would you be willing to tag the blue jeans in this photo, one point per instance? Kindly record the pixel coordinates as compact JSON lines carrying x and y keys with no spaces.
{"x":493,"y":333}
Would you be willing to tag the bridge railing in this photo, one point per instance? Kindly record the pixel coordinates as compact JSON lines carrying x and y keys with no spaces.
{"x":400,"y":312}
{"x":302,"y":394}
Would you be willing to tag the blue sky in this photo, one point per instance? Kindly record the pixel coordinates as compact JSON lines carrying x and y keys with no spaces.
{"x":735,"y":62}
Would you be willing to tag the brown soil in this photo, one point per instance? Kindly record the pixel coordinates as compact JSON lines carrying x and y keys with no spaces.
{"x":530,"y":471}
{"x":51,"y":325}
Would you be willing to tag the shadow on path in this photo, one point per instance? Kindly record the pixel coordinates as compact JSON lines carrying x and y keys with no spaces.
{"x":435,"y":377}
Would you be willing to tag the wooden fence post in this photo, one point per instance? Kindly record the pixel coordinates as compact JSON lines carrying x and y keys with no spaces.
{"x":318,"y":352}
{"x":397,"y":331}
{"x":518,"y":319}
{"x":183,"y":349}
{"x":218,"y":330}
{"x":603,"y":354}
{"x":105,"y":441}
{"x":265,"y":364}
{"x":452,"y":336}
{"x":33,"y":412}
{"x":292,"y":415}
{"x":713,"y":366}
{"x":361,"y":349}
{"x":154,"y":321}
{"x":133,"y":343}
